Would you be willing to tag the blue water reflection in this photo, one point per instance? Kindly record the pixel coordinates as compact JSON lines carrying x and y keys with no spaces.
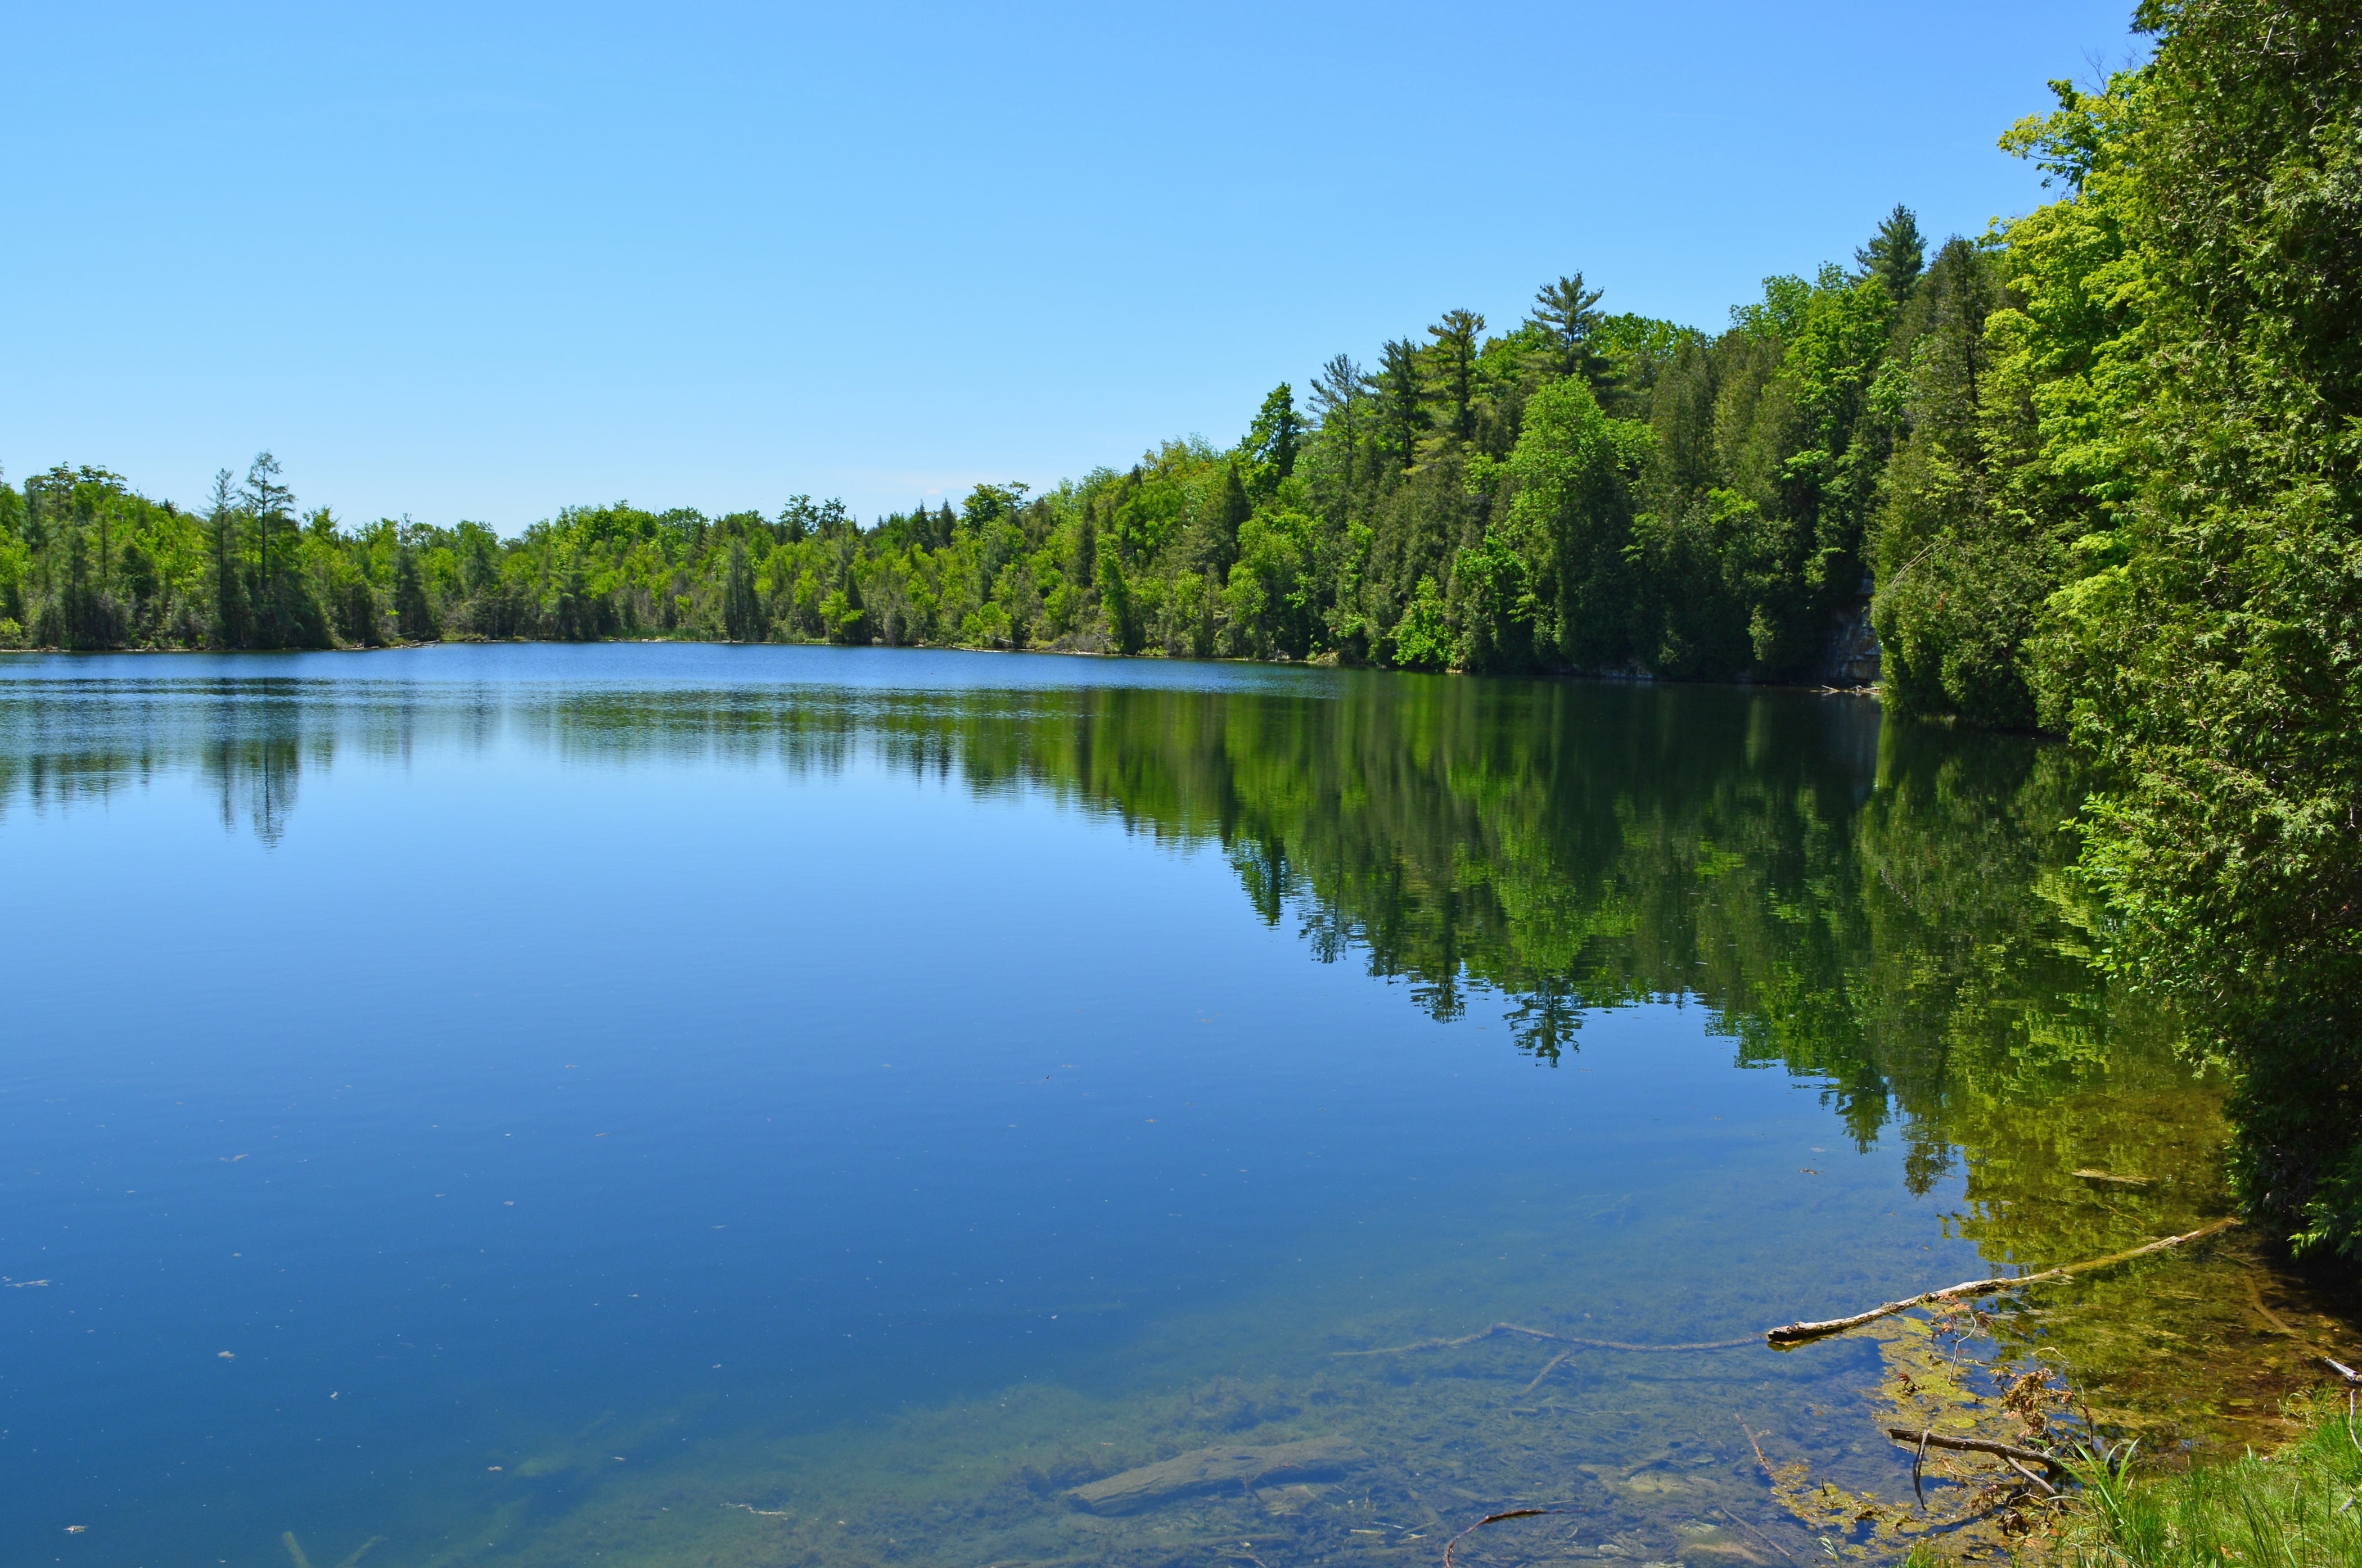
{"x":470,"y":1096}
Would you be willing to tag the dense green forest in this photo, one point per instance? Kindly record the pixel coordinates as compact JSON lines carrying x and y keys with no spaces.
{"x":2096,"y":471}
{"x":1479,"y":503}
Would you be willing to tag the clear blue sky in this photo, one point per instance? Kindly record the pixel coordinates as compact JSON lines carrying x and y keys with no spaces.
{"x":489,"y":261}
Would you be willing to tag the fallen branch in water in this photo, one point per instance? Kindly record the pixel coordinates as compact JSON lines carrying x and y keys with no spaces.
{"x":1771,"y":1544}
{"x":1977,"y":1445}
{"x":1492,"y":1519}
{"x":2256,"y":1296}
{"x":1755,"y":1445}
{"x":1541,"y":1334}
{"x":1548,"y":1367}
{"x":2255,"y":1299}
{"x":2019,"y":1465}
{"x":1794,"y":1333}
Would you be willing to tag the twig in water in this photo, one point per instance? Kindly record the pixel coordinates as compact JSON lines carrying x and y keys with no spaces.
{"x":1919,"y":1457}
{"x":295,"y":1552}
{"x":1753,"y":1444}
{"x":1977,"y":1445}
{"x":1794,"y":1333}
{"x":1492,"y":1519}
{"x":1757,"y":1534}
{"x":1548,"y":1367}
{"x":1540,"y":1334}
{"x":2047,"y":1489}
{"x":2255,"y":1299}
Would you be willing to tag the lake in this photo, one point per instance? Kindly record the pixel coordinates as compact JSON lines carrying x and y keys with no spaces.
{"x":672,"y":1104}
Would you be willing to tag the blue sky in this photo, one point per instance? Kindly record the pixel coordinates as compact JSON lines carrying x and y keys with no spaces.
{"x":490,"y":260}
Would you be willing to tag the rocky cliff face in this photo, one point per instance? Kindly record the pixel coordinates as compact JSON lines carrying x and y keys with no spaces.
{"x":1849,"y":653}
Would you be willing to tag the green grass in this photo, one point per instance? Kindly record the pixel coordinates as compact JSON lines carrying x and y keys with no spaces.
{"x":2298,"y":1507}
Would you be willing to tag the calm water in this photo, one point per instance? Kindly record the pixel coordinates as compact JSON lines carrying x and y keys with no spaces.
{"x":672,"y":1104}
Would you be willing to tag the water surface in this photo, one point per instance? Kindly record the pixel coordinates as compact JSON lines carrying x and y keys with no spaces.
{"x":669,"y":1104}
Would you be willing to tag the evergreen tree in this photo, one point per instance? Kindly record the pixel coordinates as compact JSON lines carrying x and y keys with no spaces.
{"x":1117,"y":604}
{"x":1569,"y":317}
{"x":230,"y":625}
{"x":1453,"y":378}
{"x":1272,"y":440}
{"x":742,"y":607}
{"x":1084,"y":567}
{"x":268,"y":503}
{"x":1402,"y":408}
{"x":1895,"y":254}
{"x":1217,"y":535}
{"x":413,"y":611}
{"x":1337,"y":396}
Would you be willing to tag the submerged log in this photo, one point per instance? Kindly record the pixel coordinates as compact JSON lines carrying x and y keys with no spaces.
{"x":1795,"y":1334}
{"x":1212,"y":1467}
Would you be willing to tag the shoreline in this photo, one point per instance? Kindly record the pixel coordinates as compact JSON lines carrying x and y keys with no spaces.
{"x":1604,"y":677}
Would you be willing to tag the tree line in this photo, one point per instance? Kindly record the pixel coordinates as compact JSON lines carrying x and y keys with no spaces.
{"x":1581,"y":492}
{"x":2094,"y":472}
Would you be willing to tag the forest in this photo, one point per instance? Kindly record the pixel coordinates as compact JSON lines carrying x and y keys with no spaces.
{"x":2093,"y":472}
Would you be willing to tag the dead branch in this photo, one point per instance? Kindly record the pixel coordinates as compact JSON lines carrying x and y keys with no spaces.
{"x":1492,"y":1519}
{"x":2255,"y":1300}
{"x":1795,"y":1334}
{"x":1772,"y":1544}
{"x":1978,"y":1445}
{"x":1755,"y":1445}
{"x":2047,"y":1489}
{"x":1548,"y":1367}
{"x":1541,"y":1334}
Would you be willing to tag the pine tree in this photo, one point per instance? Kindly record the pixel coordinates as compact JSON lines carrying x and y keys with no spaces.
{"x":267,"y":502}
{"x":229,"y":585}
{"x":1337,"y":397}
{"x":742,"y":607}
{"x":1569,"y":313}
{"x":1453,"y":357}
{"x":1272,"y":440}
{"x":1087,"y":545}
{"x":1894,"y":255}
{"x":414,"y":612}
{"x":1216,"y":542}
{"x":1117,"y":604}
{"x":1402,"y":413}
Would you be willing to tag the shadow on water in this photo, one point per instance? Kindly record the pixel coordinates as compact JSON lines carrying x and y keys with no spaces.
{"x":1880,"y":913}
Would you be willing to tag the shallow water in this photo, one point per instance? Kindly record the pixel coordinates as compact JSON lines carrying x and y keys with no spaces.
{"x":666,"y":1104}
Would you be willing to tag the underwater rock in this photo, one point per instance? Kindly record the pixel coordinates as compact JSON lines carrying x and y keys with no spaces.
{"x":1207,"y":1467}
